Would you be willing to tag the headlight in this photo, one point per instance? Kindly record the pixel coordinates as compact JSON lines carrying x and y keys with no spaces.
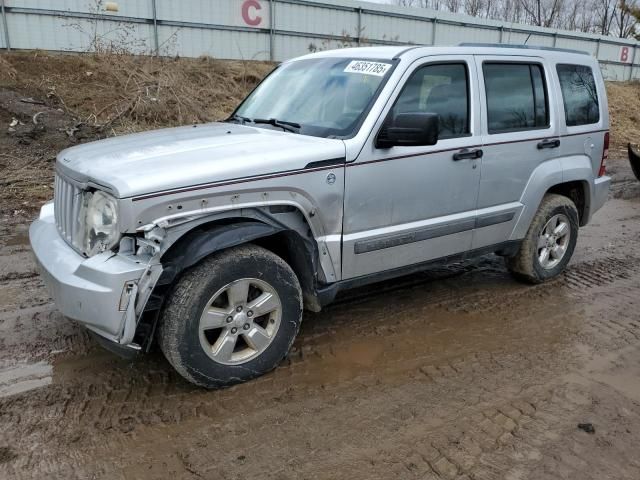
{"x":99,"y":217}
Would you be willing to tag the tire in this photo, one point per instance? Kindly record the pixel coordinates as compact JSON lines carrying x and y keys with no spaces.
{"x":204,"y":356}
{"x":529,"y":264}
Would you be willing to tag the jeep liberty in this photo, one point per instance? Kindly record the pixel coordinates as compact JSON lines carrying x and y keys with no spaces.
{"x":341,"y":168}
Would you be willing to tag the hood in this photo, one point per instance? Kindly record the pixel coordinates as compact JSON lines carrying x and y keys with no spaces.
{"x":170,"y":158}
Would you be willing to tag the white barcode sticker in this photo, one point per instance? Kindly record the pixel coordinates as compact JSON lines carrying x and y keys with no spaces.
{"x":368,"y":68}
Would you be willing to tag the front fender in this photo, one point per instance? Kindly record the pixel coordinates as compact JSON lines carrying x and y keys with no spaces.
{"x":202,"y":242}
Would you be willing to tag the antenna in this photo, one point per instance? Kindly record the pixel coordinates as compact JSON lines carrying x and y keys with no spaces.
{"x":528,"y":37}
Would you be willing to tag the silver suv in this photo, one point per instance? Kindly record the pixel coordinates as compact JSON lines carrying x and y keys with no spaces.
{"x":340,"y":169}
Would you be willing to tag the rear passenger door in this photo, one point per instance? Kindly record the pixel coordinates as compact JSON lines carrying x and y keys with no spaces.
{"x":519,"y":133}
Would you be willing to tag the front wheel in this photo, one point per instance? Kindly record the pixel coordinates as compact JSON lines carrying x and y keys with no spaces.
{"x":232,"y":317}
{"x":549,"y":243}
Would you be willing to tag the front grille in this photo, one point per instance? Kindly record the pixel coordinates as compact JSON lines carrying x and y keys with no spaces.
{"x":67,"y":201}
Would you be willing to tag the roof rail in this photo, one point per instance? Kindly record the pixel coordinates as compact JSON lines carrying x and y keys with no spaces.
{"x":529,"y":47}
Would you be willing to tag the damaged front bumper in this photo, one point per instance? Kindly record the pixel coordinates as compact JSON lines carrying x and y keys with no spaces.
{"x":102,"y":292}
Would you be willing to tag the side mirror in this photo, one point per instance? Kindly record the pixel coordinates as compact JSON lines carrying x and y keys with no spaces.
{"x":409,"y":130}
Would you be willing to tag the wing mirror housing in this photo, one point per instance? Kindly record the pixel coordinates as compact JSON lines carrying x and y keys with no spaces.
{"x":409,"y":130}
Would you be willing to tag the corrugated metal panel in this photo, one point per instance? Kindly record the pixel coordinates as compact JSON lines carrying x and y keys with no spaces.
{"x":75,"y":34}
{"x":243,"y":29}
{"x":396,"y":29}
{"x":196,"y":42}
{"x":453,"y":34}
{"x":3,"y":44}
{"x":126,"y":8}
{"x":310,"y":19}
{"x":219,"y":12}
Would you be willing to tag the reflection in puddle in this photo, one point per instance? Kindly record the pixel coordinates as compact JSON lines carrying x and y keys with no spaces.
{"x":24,"y":377}
{"x":18,"y":239}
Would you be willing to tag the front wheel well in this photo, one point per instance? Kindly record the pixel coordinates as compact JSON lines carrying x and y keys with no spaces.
{"x":577,"y":192}
{"x":301,"y":255}
{"x":284,"y":231}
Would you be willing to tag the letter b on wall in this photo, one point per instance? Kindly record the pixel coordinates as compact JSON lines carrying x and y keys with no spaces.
{"x":624,"y":54}
{"x":250,"y":9}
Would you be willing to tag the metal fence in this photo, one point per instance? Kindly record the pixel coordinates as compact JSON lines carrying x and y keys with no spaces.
{"x":273,"y":29}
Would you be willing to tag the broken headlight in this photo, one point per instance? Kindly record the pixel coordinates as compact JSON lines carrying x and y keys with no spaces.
{"x":100,"y":226}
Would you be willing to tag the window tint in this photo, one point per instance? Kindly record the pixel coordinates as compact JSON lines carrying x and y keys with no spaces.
{"x":579,"y":95}
{"x":516,"y":97}
{"x":440,"y":89}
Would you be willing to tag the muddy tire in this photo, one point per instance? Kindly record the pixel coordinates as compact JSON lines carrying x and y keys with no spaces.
{"x":232,"y":317}
{"x":549,"y":243}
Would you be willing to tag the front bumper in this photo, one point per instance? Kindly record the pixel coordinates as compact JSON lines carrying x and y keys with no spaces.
{"x":98,"y":292}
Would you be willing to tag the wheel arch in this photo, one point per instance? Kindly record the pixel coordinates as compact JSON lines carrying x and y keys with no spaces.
{"x":570,"y":177}
{"x":281,"y":230}
{"x":579,"y":193}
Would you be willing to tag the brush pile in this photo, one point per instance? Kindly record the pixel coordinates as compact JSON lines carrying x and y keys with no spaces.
{"x":124,"y":93}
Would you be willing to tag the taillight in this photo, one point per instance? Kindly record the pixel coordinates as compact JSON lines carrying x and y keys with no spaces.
{"x":605,"y":155}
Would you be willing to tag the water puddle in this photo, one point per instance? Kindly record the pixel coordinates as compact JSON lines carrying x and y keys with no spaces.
{"x":23,"y":377}
{"x":18,"y":239}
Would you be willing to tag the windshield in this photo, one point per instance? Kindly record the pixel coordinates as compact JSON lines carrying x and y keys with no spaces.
{"x":323,"y":97}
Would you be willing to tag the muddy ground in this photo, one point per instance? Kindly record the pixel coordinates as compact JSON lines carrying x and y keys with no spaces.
{"x":456,"y":373}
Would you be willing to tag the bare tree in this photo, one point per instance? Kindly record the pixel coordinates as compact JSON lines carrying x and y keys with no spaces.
{"x":626,"y":21}
{"x":542,"y":13}
{"x":605,"y":17}
{"x":605,"y":12}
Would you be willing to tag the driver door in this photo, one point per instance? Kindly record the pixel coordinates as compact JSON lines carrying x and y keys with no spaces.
{"x":408,"y":205}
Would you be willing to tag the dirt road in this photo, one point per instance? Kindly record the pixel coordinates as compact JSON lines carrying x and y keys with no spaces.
{"x":457,"y":373}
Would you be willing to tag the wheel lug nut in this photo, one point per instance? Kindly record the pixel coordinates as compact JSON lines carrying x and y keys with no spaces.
{"x":246,"y":326}
{"x":229,"y":319}
{"x":250,"y":313}
{"x":234,"y":330}
{"x":239,"y":308}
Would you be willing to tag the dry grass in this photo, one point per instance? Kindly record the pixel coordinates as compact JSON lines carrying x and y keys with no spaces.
{"x":124,"y":93}
{"x":7,"y":72}
{"x":624,"y":110}
{"x":105,"y":94}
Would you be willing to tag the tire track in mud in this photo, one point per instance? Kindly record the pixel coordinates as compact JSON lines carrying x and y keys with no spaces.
{"x":575,"y":283}
{"x":120,"y":401}
{"x":528,"y":433}
{"x":606,"y":272}
{"x":100,"y":404}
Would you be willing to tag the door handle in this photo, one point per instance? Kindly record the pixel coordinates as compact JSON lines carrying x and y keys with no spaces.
{"x":549,"y":143}
{"x":465,"y":153}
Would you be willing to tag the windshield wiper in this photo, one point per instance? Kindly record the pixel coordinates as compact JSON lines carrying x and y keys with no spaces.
{"x":287,"y":126}
{"x":237,"y":118}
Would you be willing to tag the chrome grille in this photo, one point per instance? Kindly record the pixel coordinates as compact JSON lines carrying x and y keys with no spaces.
{"x":67,"y":201}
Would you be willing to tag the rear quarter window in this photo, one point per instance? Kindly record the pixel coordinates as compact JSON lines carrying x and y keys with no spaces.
{"x":579,"y":95}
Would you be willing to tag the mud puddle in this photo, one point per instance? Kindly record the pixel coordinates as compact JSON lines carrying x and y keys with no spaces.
{"x":22,"y":378}
{"x":18,"y":239}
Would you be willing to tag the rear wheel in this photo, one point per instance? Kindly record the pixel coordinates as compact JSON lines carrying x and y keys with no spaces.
{"x":549,"y":243}
{"x":231,"y":318}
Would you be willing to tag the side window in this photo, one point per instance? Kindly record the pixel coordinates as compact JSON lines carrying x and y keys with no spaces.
{"x":516,"y":97}
{"x":579,"y":95}
{"x":441,"y":89}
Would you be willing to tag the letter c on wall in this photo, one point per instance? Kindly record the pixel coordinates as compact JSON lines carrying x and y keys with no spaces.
{"x":249,"y":16}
